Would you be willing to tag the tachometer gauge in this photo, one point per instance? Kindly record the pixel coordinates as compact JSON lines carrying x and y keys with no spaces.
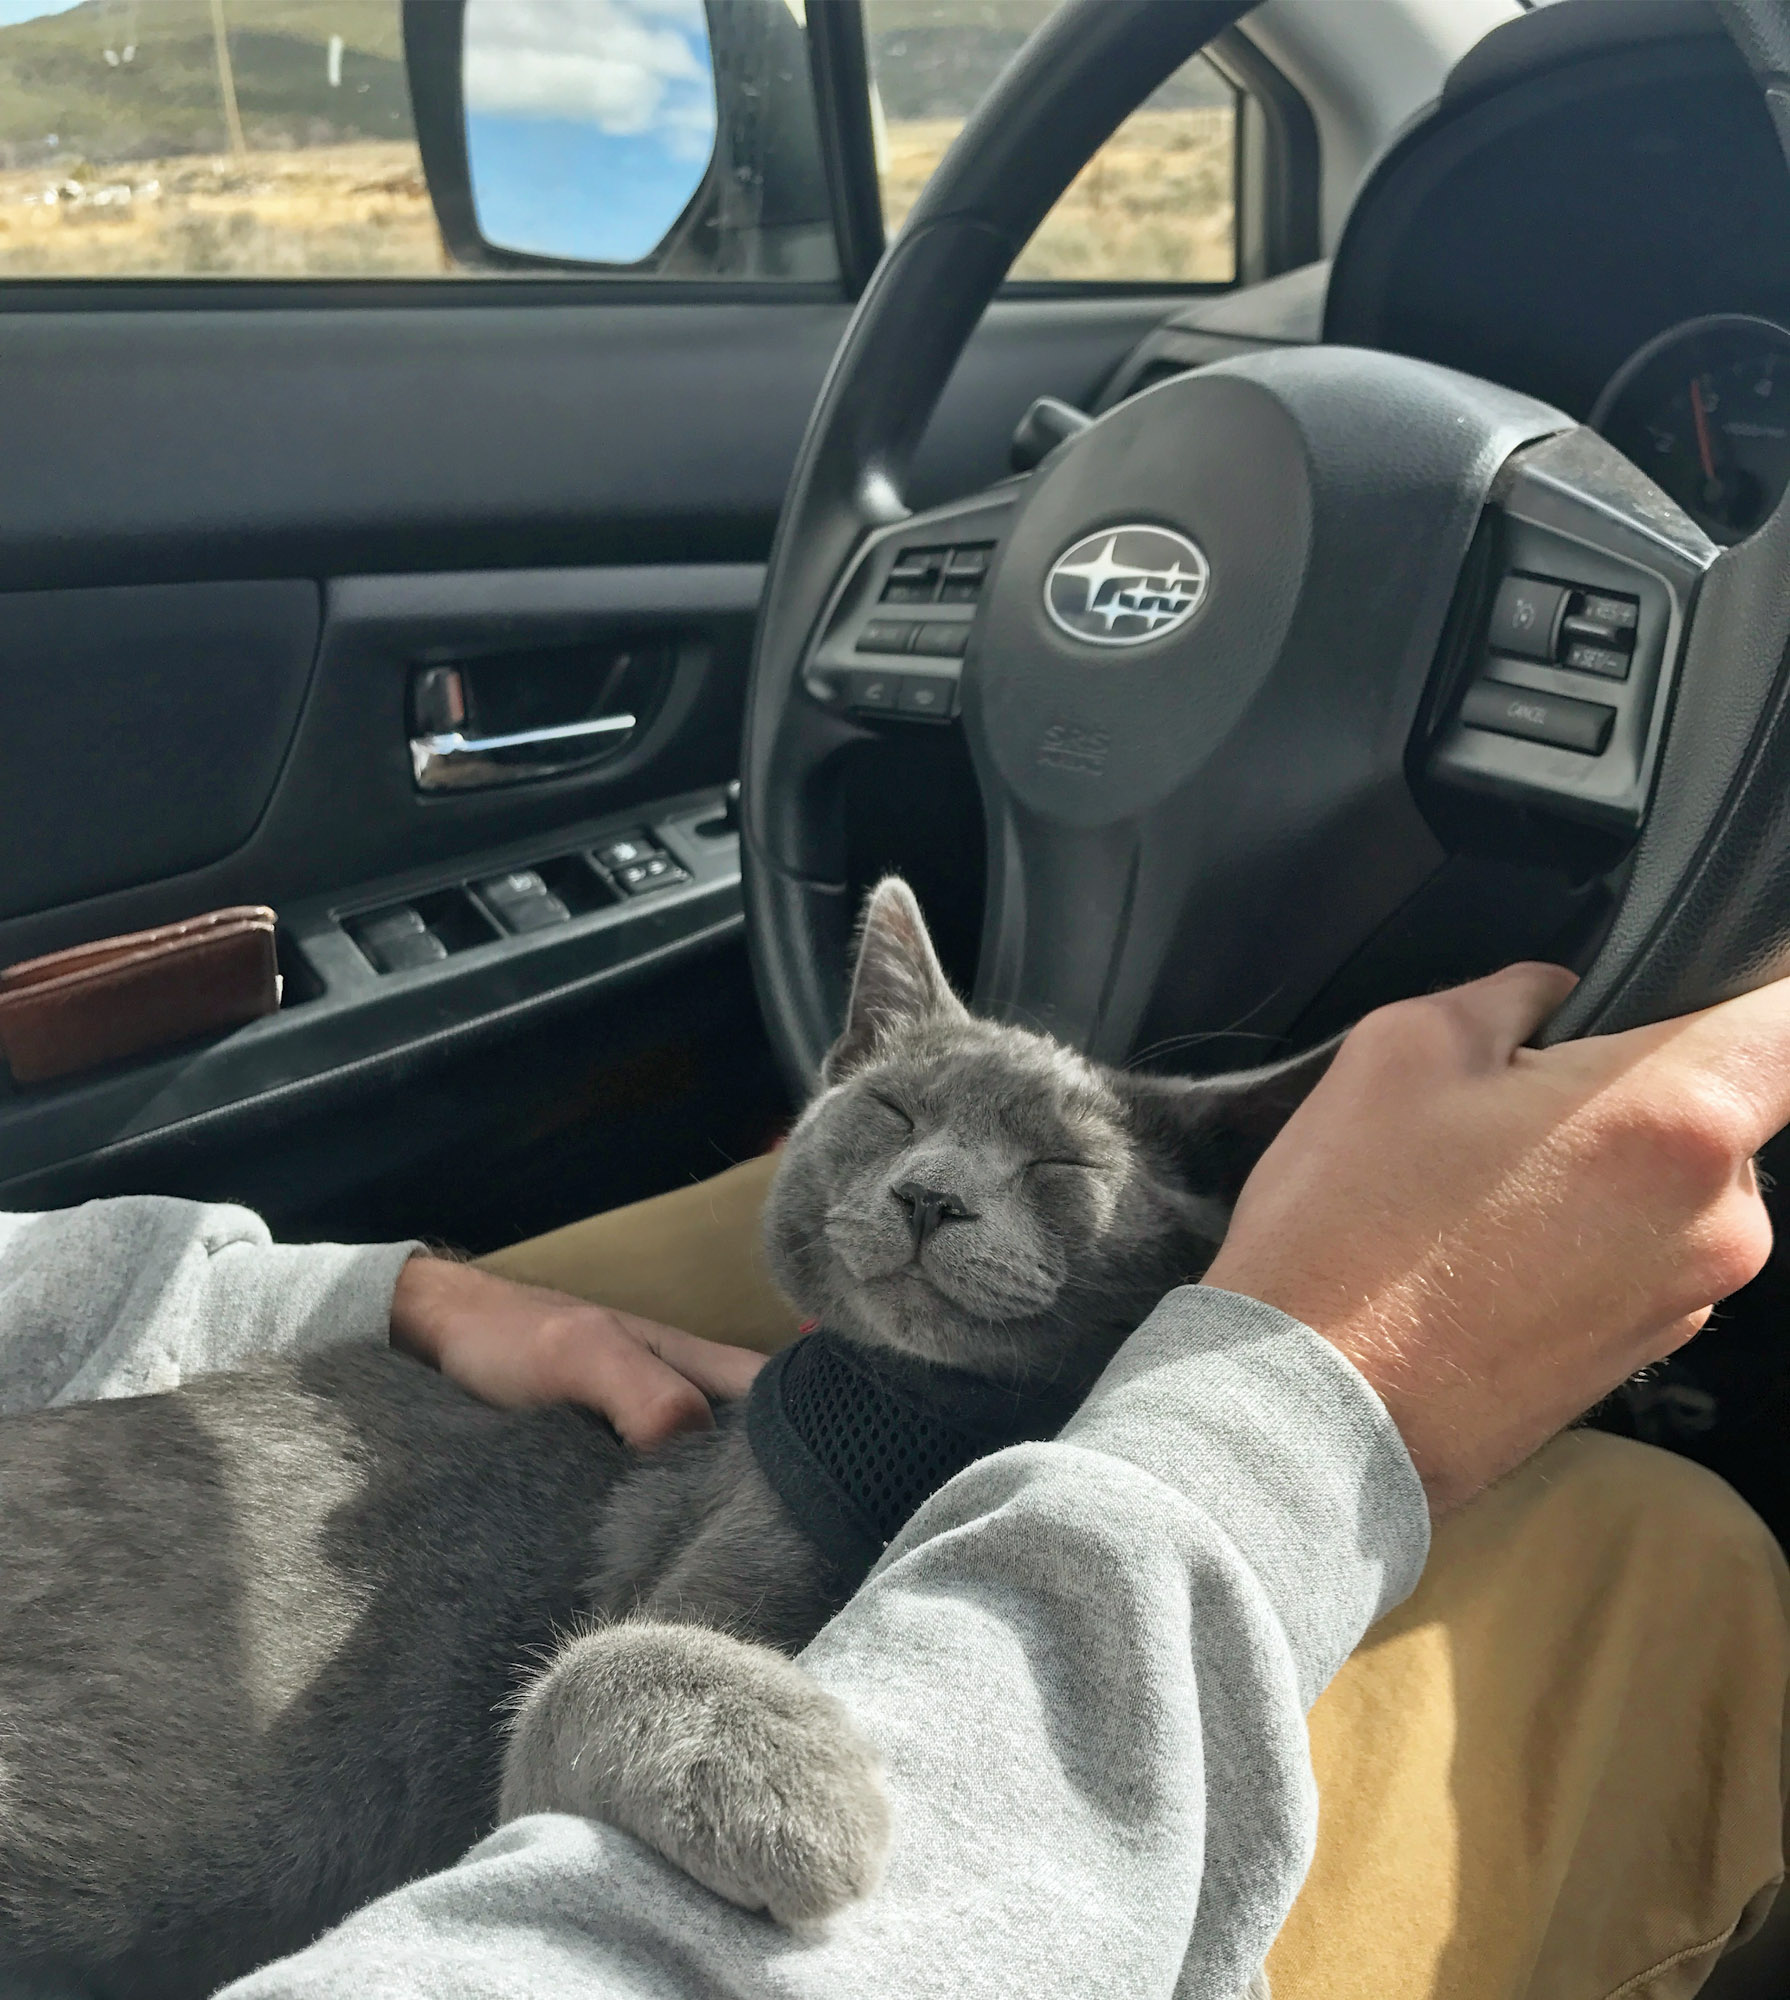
{"x":1704,"y":411}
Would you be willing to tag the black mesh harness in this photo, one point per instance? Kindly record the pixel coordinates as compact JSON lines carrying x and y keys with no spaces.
{"x":853,"y":1438}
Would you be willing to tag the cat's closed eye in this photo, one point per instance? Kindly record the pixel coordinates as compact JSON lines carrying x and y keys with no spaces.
{"x":889,"y":1104}
{"x":1082,"y":1166}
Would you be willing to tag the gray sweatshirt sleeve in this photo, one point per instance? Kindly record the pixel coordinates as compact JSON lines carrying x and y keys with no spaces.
{"x":119,"y":1298}
{"x":1086,"y":1665}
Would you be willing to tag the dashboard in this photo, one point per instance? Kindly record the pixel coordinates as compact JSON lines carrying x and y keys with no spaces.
{"x":1596,"y":211}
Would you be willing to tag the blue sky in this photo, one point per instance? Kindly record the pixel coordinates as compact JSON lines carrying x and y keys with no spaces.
{"x":565,"y":188}
{"x":12,"y":12}
{"x":589,"y":123}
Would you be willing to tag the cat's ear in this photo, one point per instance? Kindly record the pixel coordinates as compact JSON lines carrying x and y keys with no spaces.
{"x":898,"y":982}
{"x":1217,"y":1127}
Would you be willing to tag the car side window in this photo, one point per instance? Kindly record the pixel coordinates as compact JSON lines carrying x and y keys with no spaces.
{"x":215,"y":138}
{"x":288,"y":139}
{"x":1157,"y":203}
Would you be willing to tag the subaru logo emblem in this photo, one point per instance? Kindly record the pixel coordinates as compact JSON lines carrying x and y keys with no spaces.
{"x":1125,"y":585}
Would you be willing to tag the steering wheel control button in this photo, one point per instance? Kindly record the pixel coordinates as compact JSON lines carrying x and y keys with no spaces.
{"x":1526,"y":616}
{"x":1123,"y":586}
{"x":885,"y":635}
{"x":1554,"y":719}
{"x":522,"y":902}
{"x":965,"y":572}
{"x":927,"y":694}
{"x":939,"y":641}
{"x":914,"y":576}
{"x":1603,"y":616}
{"x":1585,"y":658}
{"x":879,"y":693}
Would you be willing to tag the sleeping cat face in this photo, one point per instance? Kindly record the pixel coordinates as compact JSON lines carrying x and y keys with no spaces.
{"x":982,"y":1196}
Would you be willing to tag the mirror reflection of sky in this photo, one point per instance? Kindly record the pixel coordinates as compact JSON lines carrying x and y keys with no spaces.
{"x":589,"y":123}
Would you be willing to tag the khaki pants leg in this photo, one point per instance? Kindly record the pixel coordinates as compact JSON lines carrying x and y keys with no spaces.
{"x":691,"y":1258}
{"x":1554,"y":1774}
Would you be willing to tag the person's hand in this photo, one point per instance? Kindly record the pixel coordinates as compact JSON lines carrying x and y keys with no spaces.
{"x":519,"y":1344}
{"x":1496,"y":1236}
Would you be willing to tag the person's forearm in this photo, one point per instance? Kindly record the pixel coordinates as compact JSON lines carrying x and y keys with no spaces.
{"x":1086,"y":1665}
{"x":118,"y":1298}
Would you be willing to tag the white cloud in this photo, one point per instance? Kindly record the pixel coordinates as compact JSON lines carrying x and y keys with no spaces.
{"x":629,"y":66}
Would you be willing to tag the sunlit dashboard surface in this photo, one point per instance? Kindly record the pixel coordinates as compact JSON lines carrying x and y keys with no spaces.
{"x":1704,"y":411}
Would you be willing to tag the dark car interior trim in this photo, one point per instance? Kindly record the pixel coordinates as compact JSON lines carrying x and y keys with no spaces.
{"x":349,"y":1027}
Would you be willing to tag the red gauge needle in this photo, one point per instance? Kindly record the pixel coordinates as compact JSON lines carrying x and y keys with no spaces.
{"x":1704,"y":451}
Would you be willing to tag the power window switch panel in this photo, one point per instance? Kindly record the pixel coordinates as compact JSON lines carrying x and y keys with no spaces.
{"x":1554,"y":719}
{"x":625,"y":852}
{"x":522,"y":902}
{"x":398,"y":941}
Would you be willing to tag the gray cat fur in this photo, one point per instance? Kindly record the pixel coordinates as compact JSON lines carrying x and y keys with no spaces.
{"x":255,"y":1634}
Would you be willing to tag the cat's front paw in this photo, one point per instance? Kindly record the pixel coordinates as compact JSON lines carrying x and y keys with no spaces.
{"x":723,"y":1756}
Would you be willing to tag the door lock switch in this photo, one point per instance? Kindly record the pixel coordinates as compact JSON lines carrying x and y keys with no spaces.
{"x":659,"y":871}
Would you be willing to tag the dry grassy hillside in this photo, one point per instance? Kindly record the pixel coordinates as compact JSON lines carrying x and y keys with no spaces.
{"x":1156,"y":203}
{"x":328,"y":211}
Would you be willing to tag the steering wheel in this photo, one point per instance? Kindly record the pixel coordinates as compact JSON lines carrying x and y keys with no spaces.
{"x":1226,"y":657}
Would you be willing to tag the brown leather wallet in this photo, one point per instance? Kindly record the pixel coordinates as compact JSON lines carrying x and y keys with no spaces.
{"x":122,"y":996}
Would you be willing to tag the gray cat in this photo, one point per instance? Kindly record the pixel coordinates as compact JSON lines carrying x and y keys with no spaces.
{"x":256,"y":1635}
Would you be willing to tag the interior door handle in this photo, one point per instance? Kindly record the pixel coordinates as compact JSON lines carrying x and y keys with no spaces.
{"x":448,"y":761}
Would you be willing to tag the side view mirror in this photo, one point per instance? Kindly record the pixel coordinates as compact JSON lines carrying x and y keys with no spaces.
{"x":652,"y":137}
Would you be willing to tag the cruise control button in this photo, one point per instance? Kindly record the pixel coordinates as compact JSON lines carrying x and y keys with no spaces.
{"x":940,"y":641}
{"x":1554,"y":719}
{"x":910,"y":590}
{"x":971,"y":561}
{"x":1605,"y":609}
{"x":1525,"y":617}
{"x":877,"y":691}
{"x":1588,"y":659}
{"x":928,"y":694}
{"x":885,"y":635}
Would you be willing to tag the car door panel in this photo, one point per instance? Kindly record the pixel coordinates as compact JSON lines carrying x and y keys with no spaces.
{"x":458,"y":483}
{"x":186,"y":445}
{"x":160,"y":713}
